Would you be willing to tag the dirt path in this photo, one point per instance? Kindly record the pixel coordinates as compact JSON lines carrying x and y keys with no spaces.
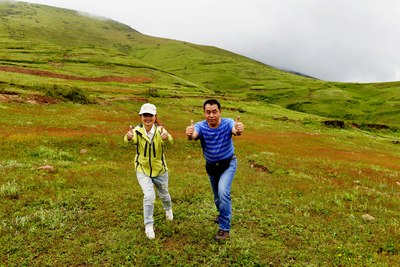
{"x":76,"y":78}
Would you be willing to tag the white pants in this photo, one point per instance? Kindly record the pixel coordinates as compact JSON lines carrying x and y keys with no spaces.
{"x":149,"y":195}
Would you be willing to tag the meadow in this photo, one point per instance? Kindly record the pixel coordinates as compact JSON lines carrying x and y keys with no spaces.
{"x":318,"y":179}
{"x":298,"y":197}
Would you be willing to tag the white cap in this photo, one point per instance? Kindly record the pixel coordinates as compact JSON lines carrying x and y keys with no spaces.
{"x":148,"y":108}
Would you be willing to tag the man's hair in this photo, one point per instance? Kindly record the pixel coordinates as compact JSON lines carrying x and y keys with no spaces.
{"x":211,"y":102}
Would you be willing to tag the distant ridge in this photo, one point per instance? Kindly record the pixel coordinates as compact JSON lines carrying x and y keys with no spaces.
{"x":298,"y":73}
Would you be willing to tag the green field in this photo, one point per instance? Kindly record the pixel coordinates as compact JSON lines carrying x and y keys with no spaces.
{"x":303,"y":182}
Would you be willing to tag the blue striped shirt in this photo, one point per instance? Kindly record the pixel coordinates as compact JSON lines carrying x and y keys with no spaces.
{"x":217,"y":143}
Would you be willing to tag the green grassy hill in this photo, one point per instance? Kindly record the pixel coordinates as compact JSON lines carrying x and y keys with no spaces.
{"x":60,"y":41}
{"x":303,"y":194}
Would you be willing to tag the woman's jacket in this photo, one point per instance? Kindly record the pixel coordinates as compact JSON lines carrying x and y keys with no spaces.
{"x":150,"y":156}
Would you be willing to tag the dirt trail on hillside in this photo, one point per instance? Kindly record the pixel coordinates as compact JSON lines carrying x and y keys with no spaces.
{"x":76,"y":78}
{"x":32,"y":99}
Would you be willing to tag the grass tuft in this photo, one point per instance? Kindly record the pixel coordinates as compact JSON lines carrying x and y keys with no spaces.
{"x":10,"y":190}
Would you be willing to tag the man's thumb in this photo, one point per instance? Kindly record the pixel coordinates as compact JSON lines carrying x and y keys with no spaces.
{"x":130,"y":127}
{"x":161,"y":129}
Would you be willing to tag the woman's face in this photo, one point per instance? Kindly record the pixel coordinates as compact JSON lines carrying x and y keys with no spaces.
{"x":148,"y":119}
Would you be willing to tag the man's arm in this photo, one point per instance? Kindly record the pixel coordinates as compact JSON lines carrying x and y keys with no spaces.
{"x":238,"y":127}
{"x":191,"y":133}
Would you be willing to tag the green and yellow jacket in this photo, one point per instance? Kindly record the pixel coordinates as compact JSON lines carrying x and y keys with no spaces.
{"x":150,"y":157}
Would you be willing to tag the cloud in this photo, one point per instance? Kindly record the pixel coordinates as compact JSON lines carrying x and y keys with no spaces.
{"x":335,"y":40}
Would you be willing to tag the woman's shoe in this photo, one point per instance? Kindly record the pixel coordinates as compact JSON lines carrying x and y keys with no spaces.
{"x":169,"y":215}
{"x":150,"y":231}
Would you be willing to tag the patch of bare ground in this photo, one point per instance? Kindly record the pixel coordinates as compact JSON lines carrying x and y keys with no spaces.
{"x":59,"y":132}
{"x":31,"y":99}
{"x":315,"y":146}
{"x":259,"y":167}
{"x":49,"y":74}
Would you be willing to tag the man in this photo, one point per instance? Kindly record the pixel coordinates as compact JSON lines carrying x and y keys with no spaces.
{"x":215,"y":134}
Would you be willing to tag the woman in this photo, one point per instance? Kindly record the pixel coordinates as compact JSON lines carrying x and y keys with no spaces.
{"x":150,"y":139}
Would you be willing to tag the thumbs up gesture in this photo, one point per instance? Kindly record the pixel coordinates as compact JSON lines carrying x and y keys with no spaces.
{"x":164,"y":133}
{"x":238,"y":127}
{"x":129,"y":134}
{"x":190,"y":130}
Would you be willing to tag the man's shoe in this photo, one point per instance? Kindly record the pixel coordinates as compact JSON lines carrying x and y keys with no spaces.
{"x":150,"y":231}
{"x":222,"y":235}
{"x":169,"y":215}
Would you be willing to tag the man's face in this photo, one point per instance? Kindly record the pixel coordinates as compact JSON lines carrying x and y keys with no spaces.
{"x":212,"y":115}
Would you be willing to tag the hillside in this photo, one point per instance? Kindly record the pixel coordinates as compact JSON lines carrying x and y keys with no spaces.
{"x":53,"y":43}
{"x":304,"y":194}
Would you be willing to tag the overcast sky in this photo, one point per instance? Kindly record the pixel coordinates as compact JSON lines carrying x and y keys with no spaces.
{"x":334,"y":40}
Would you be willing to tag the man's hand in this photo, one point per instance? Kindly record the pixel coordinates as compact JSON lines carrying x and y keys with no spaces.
{"x":129,"y":134}
{"x":239,"y":127}
{"x":164,"y":133}
{"x":190,"y":130}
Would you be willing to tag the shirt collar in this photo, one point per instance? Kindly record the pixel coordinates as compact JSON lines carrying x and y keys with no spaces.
{"x":151,"y":133}
{"x":152,"y":130}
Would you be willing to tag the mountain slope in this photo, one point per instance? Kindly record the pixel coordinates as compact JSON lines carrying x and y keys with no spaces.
{"x":69,"y":43}
{"x":46,"y":33}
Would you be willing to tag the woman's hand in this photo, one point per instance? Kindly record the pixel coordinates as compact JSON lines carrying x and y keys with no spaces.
{"x":129,"y":134}
{"x":164,"y":134}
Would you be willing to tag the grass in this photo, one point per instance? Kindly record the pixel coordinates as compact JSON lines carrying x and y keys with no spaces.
{"x":300,"y":191}
{"x":305,"y":211}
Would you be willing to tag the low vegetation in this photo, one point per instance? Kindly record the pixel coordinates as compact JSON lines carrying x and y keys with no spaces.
{"x":298,"y":198}
{"x":318,"y":179}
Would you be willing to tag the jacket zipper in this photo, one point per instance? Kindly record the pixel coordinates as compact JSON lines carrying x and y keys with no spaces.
{"x":151,"y":145}
{"x":151,"y":169}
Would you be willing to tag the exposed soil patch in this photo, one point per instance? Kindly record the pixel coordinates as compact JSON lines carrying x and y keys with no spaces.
{"x":259,"y":167}
{"x":76,"y":78}
{"x":34,"y":131}
{"x":295,"y":144}
{"x":32,"y":99}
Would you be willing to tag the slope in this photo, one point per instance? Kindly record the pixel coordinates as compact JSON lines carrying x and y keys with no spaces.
{"x":69,"y":43}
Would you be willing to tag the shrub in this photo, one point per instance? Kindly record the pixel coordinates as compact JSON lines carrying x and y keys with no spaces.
{"x":73,"y":94}
{"x":48,"y":153}
{"x":152,"y":92}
